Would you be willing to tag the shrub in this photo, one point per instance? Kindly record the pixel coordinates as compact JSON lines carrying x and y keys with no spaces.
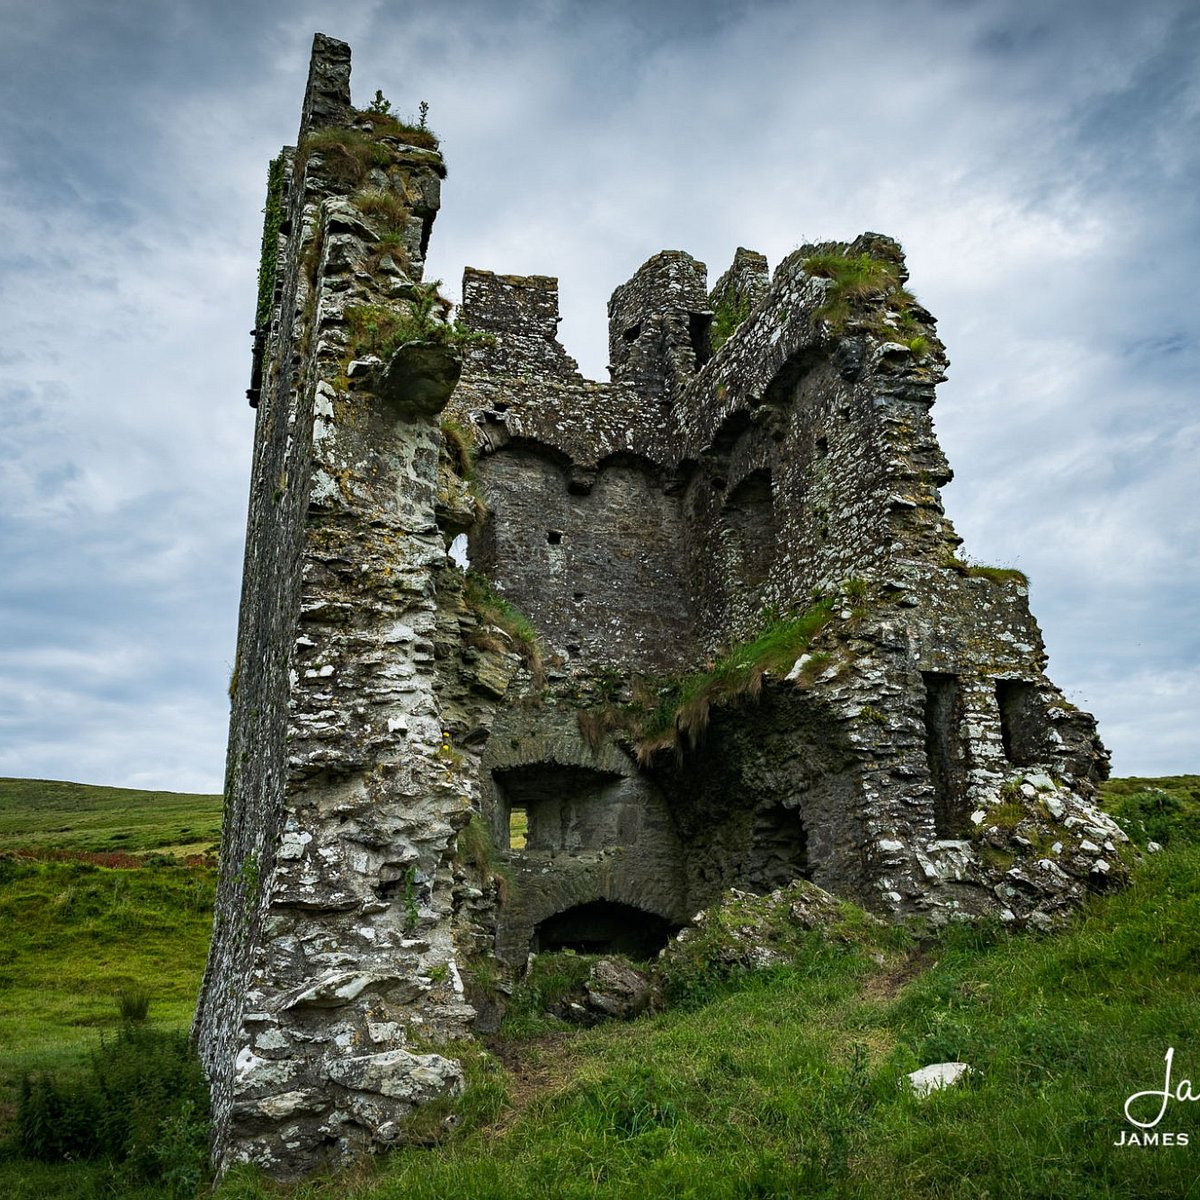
{"x":142,"y":1102}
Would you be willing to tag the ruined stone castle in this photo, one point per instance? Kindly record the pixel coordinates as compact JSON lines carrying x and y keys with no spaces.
{"x":716,"y":632}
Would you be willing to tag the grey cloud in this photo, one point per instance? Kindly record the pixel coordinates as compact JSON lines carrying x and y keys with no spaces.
{"x":1040,"y":165}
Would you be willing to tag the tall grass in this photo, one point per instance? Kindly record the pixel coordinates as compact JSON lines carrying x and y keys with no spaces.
{"x":73,"y":936}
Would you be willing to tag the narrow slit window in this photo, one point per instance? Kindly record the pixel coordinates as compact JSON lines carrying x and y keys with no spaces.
{"x":699,"y":324}
{"x":945,"y":753}
{"x":518,"y":827}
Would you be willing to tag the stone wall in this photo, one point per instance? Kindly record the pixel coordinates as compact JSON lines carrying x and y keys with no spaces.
{"x":333,"y":973}
{"x":760,"y":449}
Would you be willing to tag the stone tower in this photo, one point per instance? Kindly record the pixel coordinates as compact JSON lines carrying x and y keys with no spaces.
{"x":716,"y":633}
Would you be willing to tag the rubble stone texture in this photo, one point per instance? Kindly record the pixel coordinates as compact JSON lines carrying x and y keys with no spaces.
{"x":760,"y":448}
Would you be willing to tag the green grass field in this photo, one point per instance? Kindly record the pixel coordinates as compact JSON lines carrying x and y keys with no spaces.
{"x":784,"y":1083}
{"x":45,"y":814}
{"x":75,"y":933}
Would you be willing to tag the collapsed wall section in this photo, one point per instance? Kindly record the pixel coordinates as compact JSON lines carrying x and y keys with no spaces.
{"x":583,"y":528}
{"x":788,"y":422}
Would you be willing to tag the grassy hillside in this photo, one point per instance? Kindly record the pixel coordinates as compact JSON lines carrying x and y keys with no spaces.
{"x":74,"y":935}
{"x":46,"y":814}
{"x":782,"y":1083}
{"x":76,"y":932}
{"x":790,"y":1083}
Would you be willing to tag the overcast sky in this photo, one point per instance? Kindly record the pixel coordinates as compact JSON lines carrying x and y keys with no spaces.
{"x":1039,"y":161}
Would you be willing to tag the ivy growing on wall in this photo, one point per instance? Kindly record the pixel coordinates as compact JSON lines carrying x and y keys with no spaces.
{"x":268,"y":263}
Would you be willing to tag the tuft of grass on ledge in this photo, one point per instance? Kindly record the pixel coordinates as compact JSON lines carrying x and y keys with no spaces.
{"x":461,"y":446}
{"x":380,"y":330}
{"x":855,"y":275}
{"x":386,"y":206}
{"x":347,"y":154}
{"x":979,"y":571}
{"x":678,"y":712}
{"x":492,"y":609}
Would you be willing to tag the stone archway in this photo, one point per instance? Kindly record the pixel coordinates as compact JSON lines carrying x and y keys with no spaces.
{"x":604,"y":927}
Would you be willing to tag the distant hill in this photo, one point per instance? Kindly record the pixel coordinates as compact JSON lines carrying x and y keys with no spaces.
{"x":49,"y":814}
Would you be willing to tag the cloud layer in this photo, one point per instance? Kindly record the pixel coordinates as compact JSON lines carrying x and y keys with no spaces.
{"x":1040,"y":168}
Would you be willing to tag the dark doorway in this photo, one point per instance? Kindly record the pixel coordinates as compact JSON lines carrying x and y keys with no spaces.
{"x":779,"y":850}
{"x":1022,"y":720}
{"x":604,"y":927}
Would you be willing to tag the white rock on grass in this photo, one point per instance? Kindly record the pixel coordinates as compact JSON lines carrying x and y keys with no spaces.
{"x":937,"y":1076}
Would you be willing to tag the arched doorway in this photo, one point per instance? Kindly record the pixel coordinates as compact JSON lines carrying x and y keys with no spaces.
{"x":604,"y":927}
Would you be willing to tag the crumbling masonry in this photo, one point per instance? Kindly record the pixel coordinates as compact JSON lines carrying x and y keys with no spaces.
{"x":759,"y":478}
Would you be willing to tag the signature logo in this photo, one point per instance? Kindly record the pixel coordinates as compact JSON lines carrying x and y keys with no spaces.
{"x":1156,"y":1101}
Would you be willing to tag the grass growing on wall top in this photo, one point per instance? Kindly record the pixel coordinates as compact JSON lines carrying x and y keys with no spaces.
{"x":980,"y":571}
{"x":388,"y":124}
{"x":350,"y":151}
{"x":858,"y":279}
{"x":679,"y":710}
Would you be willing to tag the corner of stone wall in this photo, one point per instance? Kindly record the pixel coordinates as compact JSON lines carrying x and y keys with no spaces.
{"x":333,"y":975}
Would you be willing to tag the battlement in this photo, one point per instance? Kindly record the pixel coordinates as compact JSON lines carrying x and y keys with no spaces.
{"x":521,"y":311}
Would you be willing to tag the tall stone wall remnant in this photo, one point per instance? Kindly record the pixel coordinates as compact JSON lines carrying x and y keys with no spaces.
{"x":715,"y":632}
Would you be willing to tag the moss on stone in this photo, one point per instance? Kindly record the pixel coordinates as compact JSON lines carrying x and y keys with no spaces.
{"x":268,"y":263}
